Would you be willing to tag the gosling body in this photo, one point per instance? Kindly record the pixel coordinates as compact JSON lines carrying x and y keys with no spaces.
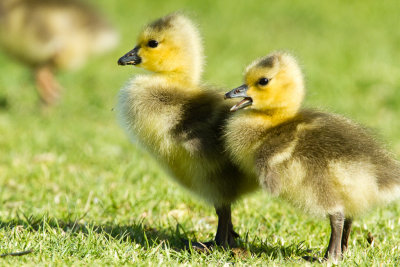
{"x":182,"y":129}
{"x":323,"y":163}
{"x":320,"y":162}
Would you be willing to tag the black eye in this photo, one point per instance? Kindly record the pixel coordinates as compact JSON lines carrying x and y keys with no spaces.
{"x":263,"y":81}
{"x":152,"y":43}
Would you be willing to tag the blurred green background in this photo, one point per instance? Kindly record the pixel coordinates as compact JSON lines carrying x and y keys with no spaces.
{"x":73,"y":188}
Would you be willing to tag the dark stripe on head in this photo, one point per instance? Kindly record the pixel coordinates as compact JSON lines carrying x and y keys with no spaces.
{"x":162,"y":23}
{"x":267,"y":62}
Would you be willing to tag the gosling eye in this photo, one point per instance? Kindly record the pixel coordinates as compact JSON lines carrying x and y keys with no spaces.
{"x":263,"y":81}
{"x":152,"y":44}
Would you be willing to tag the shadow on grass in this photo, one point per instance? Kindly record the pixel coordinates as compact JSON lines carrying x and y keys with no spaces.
{"x":137,"y":232}
{"x":149,"y":237}
{"x":294,"y":251}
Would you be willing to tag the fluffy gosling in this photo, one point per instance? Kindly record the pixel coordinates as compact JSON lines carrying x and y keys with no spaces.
{"x":322,"y":163}
{"x":48,"y":35}
{"x":178,"y":120}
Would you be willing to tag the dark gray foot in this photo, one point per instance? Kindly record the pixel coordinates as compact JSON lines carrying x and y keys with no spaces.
{"x":209,"y":245}
{"x":225,"y":237}
{"x":313,"y":259}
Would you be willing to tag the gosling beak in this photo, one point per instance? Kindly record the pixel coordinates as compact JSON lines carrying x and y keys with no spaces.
{"x":241,"y":91}
{"x":130,"y":58}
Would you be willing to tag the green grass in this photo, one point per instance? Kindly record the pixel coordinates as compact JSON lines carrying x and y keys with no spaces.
{"x":76,"y":192}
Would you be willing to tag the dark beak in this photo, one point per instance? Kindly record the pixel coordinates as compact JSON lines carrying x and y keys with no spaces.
{"x":237,"y":92}
{"x":241,"y":91}
{"x":130,"y":58}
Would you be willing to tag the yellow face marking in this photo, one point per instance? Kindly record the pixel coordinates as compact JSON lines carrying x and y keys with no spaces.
{"x":166,"y":57}
{"x":282,"y":96}
{"x":280,"y":92}
{"x":178,"y":55}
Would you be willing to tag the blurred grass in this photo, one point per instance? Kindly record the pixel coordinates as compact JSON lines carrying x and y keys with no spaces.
{"x":73,"y":188}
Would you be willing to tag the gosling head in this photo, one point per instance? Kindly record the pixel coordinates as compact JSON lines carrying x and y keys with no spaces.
{"x":274,"y":82}
{"x":169,"y":45}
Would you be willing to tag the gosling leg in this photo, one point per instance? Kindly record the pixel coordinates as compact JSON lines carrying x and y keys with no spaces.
{"x":334,"y":250}
{"x":346,"y":233}
{"x":225,"y":236}
{"x":47,"y":86}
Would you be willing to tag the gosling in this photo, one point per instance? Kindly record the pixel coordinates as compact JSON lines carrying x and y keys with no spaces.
{"x":48,"y":35}
{"x":322,"y":163}
{"x":179,"y":121}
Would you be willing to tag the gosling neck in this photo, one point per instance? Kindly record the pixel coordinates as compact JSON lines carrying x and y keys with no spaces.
{"x":179,"y":77}
{"x":188,"y":67}
{"x":278,"y":115}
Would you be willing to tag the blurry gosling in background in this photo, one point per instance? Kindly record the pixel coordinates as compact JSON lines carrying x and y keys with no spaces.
{"x":322,"y":163}
{"x":53,"y":34}
{"x":180,"y":121}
